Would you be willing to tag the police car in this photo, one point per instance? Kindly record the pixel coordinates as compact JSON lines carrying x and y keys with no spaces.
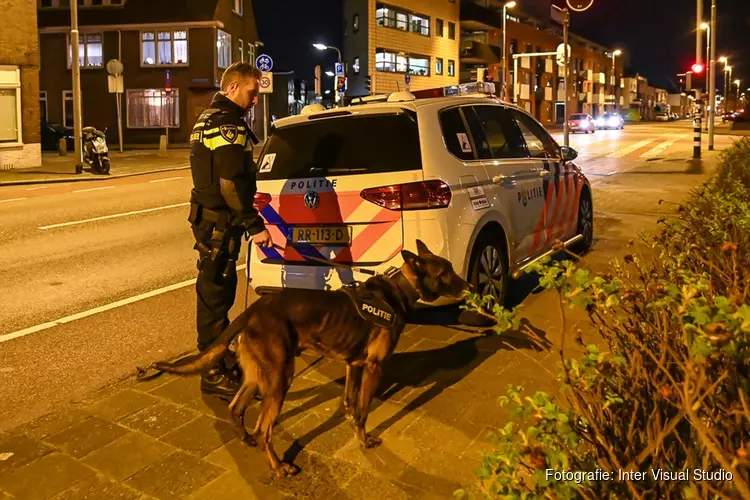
{"x":480,"y":181}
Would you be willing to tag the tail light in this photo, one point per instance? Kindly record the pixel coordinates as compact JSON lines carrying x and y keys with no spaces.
{"x":261,"y":200}
{"x":410,"y":196}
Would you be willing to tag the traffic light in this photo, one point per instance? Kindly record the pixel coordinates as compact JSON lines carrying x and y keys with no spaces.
{"x":697,"y":68}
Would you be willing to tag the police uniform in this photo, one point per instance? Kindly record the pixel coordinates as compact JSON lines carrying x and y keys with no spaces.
{"x":221,"y":208}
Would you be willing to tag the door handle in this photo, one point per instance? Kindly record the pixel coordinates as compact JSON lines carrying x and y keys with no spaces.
{"x":500,"y":179}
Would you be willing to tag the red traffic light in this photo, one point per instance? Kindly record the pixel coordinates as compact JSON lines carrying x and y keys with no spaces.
{"x":697,"y":68}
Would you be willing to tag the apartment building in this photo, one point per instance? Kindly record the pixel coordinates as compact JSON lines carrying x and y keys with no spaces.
{"x":20,"y":144}
{"x":173,"y":52}
{"x":398,"y":44}
{"x":536,"y":83}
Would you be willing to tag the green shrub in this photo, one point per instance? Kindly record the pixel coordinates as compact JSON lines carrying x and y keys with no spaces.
{"x":667,"y":388}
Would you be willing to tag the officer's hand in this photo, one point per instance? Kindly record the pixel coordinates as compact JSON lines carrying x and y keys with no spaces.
{"x":263,"y":239}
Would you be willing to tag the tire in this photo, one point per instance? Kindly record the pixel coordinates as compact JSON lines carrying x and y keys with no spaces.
{"x":105,"y":165}
{"x":96,"y":165}
{"x":488,"y":271}
{"x":585,"y":224}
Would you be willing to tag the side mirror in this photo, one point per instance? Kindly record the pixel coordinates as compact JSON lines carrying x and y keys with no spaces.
{"x":568,"y":154}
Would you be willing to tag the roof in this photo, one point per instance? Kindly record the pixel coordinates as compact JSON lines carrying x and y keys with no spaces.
{"x":133,"y":12}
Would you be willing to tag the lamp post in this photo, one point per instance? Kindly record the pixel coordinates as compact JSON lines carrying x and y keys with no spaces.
{"x":711,"y":55}
{"x":725,"y":61}
{"x":614,"y":79}
{"x":75,"y":64}
{"x":737,"y":103}
{"x":322,"y":46}
{"x":503,"y":78}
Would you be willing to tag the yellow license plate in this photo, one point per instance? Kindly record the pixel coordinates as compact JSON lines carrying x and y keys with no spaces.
{"x":338,"y":235}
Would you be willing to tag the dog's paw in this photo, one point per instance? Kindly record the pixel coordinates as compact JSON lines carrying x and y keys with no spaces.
{"x":286,"y":470}
{"x":372,"y":441}
{"x":250,"y":441}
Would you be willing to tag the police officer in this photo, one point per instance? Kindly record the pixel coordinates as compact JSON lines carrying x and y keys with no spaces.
{"x":221,"y":209}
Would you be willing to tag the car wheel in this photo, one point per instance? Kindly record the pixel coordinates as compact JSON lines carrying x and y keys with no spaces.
{"x":488,"y":272}
{"x":585,"y":224}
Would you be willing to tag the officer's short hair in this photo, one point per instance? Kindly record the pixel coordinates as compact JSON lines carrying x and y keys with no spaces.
{"x":237,"y":71}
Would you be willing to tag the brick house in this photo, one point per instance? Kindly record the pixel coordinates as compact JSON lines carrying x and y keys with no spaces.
{"x":191,"y":40}
{"x":20,"y":145}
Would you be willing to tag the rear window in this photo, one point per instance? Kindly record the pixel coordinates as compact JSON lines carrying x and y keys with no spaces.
{"x":578,"y":117}
{"x":350,"y":145}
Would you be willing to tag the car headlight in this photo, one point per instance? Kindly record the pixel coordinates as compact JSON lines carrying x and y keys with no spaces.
{"x":614,"y":121}
{"x":599,"y":121}
{"x":584,"y":123}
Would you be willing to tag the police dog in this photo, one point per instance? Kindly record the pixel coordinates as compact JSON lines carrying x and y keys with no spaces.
{"x":277,"y":327}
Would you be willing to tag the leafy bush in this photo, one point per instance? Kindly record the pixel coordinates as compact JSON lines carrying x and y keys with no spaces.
{"x":669,"y":388}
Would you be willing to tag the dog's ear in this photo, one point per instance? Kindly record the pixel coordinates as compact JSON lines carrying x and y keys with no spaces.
{"x":412,"y":260}
{"x":422,"y":249}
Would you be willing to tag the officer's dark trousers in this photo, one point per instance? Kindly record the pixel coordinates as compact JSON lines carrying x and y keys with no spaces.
{"x":215,"y":293}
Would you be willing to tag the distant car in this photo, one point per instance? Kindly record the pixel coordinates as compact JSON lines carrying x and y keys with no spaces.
{"x":662,"y":117}
{"x":581,"y":122}
{"x":610,"y":121}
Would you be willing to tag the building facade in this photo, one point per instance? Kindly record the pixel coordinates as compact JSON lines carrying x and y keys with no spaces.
{"x":595,"y":76}
{"x":20,"y":142}
{"x":173,"y":52}
{"x":387,"y":43}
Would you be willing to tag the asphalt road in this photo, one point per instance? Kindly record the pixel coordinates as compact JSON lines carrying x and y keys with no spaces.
{"x":85,"y":301}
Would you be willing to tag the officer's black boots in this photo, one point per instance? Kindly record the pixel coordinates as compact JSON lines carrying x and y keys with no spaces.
{"x":218,"y":382}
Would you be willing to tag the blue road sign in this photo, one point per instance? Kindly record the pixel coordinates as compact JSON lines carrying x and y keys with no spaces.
{"x":339,"y":69}
{"x":264,"y":63}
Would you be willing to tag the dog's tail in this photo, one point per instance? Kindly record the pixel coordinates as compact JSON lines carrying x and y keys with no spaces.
{"x":202,"y":362}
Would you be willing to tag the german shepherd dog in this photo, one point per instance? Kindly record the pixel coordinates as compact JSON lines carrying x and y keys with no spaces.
{"x":277,"y":327}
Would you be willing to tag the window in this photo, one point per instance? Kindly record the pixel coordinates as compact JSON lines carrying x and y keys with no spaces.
{"x":455,"y":135}
{"x":499,"y":138}
{"x":251,"y":53}
{"x":400,"y":63}
{"x":164,"y":48}
{"x":392,"y":17}
{"x":241,"y":47}
{"x":538,"y":141}
{"x":10,"y":105}
{"x":43,"y":105}
{"x":452,"y":31}
{"x":356,"y":66}
{"x":439,"y":66}
{"x":153,"y":108}
{"x":237,"y":8}
{"x":223,"y":48}
{"x":355,"y":23}
{"x":451,"y":68}
{"x":89,"y":51}
{"x":439,"y":25}
{"x":67,"y":108}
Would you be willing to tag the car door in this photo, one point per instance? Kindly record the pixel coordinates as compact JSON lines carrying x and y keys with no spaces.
{"x":557,"y":181}
{"x":515,"y":183}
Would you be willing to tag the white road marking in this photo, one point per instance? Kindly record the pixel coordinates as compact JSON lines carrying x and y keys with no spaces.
{"x":73,"y":317}
{"x":661,"y":148}
{"x":11,"y":199}
{"x":113,"y":216}
{"x":630,"y":149}
{"x":92,"y":189}
{"x":169,"y":179}
{"x":34,"y":189}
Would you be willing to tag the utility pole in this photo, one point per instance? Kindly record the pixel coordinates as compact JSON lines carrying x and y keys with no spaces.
{"x":698,"y":22}
{"x":699,"y":100}
{"x":712,"y":85}
{"x":76,"y":67}
{"x":566,"y":57}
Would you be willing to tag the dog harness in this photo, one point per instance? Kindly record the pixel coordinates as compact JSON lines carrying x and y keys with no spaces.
{"x":370,"y":307}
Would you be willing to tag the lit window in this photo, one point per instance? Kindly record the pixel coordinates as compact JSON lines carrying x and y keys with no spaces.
{"x":439,"y":66}
{"x":67,"y":108}
{"x":241,"y":48}
{"x":419,"y":66}
{"x":451,"y":68}
{"x":355,"y":65}
{"x":355,"y":23}
{"x":153,"y":108}
{"x":164,"y":48}
{"x":224,"y":48}
{"x":400,"y":63}
{"x":251,"y":53}
{"x":237,"y":8}
{"x":89,"y":51}
{"x":10,"y":105}
{"x":419,"y":24}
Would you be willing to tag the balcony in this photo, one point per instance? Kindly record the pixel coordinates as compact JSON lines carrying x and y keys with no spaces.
{"x":475,"y":17}
{"x":475,"y":52}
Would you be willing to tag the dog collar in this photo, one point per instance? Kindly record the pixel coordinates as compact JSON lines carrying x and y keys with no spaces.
{"x":406,"y":288}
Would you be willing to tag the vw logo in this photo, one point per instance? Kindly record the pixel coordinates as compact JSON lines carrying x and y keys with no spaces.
{"x":311,"y":200}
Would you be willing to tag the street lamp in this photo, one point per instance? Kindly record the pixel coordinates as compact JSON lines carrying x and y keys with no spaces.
{"x":614,"y":79}
{"x":737,"y":82}
{"x":507,"y":6}
{"x":727,"y":80}
{"x":329,"y":73}
{"x":322,"y":46}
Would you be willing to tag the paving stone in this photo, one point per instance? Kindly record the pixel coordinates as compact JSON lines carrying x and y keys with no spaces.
{"x":367,"y":483}
{"x":44,"y":477}
{"x":151,"y":384}
{"x":435,"y":332}
{"x":156,"y":420}
{"x":97,"y":488}
{"x":23,"y":449}
{"x":87,"y":436}
{"x":214,"y":407}
{"x":53,"y":423}
{"x":248,"y":462}
{"x":321,"y":477}
{"x":182,"y":390}
{"x":322,"y":434}
{"x":174,"y":477}
{"x":124,"y":457}
{"x":439,"y":473}
{"x":201,"y":436}
{"x":121,"y":404}
{"x":5,"y":496}
{"x":333,"y":371}
{"x":231,"y":485}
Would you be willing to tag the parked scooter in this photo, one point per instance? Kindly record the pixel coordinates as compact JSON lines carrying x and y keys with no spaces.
{"x":95,"y":150}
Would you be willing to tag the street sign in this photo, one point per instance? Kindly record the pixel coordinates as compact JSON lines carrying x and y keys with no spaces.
{"x":114,"y":67}
{"x":339,"y":69}
{"x":264,"y":63}
{"x":340,"y":84}
{"x":115,"y":84}
{"x":266,"y":83}
{"x":561,"y":54}
{"x":580,"y":5}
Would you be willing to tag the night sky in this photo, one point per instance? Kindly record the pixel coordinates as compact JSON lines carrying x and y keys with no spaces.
{"x":657,"y":36}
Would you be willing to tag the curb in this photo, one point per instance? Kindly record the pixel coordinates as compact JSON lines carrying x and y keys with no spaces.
{"x":90,"y":179}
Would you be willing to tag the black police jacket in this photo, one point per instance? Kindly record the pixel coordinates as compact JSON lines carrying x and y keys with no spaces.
{"x":221,"y":162}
